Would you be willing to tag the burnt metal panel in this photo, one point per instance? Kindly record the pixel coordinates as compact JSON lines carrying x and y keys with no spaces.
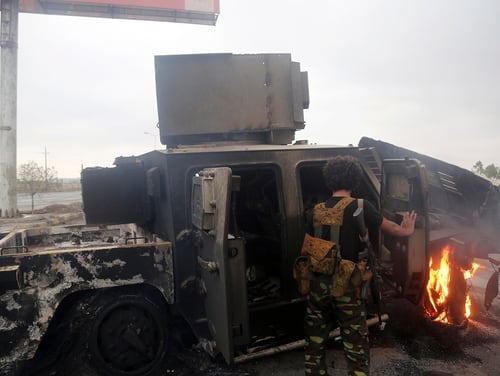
{"x":213,"y":258}
{"x":9,"y":277}
{"x":453,"y":189}
{"x":115,"y":195}
{"x":404,"y":189}
{"x":225,"y":97}
{"x":240,"y":330}
{"x":35,"y":284}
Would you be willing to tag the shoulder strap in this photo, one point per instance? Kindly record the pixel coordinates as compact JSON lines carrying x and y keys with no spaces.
{"x":332,"y":217}
{"x":328,"y":216}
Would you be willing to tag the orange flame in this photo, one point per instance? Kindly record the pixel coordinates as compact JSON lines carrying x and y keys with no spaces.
{"x":438,"y":287}
{"x":468,"y":275}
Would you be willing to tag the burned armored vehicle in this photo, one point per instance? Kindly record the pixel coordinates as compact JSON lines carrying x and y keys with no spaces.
{"x":213,"y":225}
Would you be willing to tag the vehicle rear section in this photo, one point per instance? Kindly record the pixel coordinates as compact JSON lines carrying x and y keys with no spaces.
{"x":93,"y":308}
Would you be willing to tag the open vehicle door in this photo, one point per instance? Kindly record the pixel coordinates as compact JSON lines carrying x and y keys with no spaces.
{"x":221,"y":259}
{"x":404,"y":188}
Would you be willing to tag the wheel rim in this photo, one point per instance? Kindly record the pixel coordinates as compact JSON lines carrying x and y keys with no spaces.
{"x":128,"y":337}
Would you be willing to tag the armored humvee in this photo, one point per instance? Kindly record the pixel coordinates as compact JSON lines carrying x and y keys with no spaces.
{"x":211,"y":226}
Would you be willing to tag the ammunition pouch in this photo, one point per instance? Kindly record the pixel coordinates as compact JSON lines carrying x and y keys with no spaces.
{"x":302,"y":275}
{"x":366,"y":274}
{"x":317,"y":256}
{"x":348,"y":276}
{"x":341,"y":280}
{"x":322,"y":254}
{"x":356,"y":277}
{"x":363,"y":278}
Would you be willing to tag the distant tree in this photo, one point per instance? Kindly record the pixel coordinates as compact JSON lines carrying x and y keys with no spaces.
{"x":52,"y":183}
{"x":478,"y":168}
{"x":491,"y":171}
{"x":34,"y":179}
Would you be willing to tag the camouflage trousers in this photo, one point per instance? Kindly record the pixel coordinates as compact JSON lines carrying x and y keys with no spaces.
{"x":323,"y":311}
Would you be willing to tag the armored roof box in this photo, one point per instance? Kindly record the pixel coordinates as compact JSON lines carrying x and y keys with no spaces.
{"x":217,"y":98}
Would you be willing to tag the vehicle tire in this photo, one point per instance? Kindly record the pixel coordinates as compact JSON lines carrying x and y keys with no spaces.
{"x":63,"y":350}
{"x":128,"y":337}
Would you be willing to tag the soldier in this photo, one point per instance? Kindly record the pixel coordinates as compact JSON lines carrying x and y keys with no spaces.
{"x":337,"y":298}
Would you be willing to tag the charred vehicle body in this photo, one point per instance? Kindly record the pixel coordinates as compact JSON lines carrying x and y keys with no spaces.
{"x":218,"y":218}
{"x":463,"y":215}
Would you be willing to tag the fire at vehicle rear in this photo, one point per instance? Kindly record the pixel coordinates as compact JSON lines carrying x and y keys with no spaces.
{"x":459,"y":213}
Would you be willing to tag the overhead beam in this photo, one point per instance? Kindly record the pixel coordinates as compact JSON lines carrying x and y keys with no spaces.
{"x":185,"y":11}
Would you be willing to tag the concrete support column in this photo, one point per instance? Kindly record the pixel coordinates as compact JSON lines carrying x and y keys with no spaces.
{"x":8,"y":107}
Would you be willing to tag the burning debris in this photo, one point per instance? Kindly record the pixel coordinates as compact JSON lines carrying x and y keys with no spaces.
{"x":447,"y":298}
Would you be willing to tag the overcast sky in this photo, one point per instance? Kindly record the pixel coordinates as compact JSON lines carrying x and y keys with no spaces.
{"x":424,"y":75}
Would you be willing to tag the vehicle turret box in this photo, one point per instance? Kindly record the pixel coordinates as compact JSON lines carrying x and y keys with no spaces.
{"x":224,"y":97}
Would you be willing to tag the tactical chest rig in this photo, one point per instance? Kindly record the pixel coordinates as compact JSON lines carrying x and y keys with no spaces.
{"x":321,"y":256}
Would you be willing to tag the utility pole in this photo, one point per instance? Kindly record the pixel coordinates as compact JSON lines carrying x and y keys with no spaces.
{"x":8,"y":107}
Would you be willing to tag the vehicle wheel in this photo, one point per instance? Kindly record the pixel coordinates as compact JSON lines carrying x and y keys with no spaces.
{"x":129,"y":337}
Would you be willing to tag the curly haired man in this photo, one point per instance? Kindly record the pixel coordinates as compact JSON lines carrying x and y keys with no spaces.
{"x":326,"y":304}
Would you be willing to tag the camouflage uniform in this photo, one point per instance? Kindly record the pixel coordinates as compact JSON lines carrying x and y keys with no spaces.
{"x":350,"y":314}
{"x":324,"y":308}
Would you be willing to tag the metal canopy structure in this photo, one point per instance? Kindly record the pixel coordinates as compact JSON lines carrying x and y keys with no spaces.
{"x":203,"y":12}
{"x":186,"y":11}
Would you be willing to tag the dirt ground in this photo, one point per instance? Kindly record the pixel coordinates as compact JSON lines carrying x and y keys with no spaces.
{"x":56,"y":214}
{"x":396,"y":352}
